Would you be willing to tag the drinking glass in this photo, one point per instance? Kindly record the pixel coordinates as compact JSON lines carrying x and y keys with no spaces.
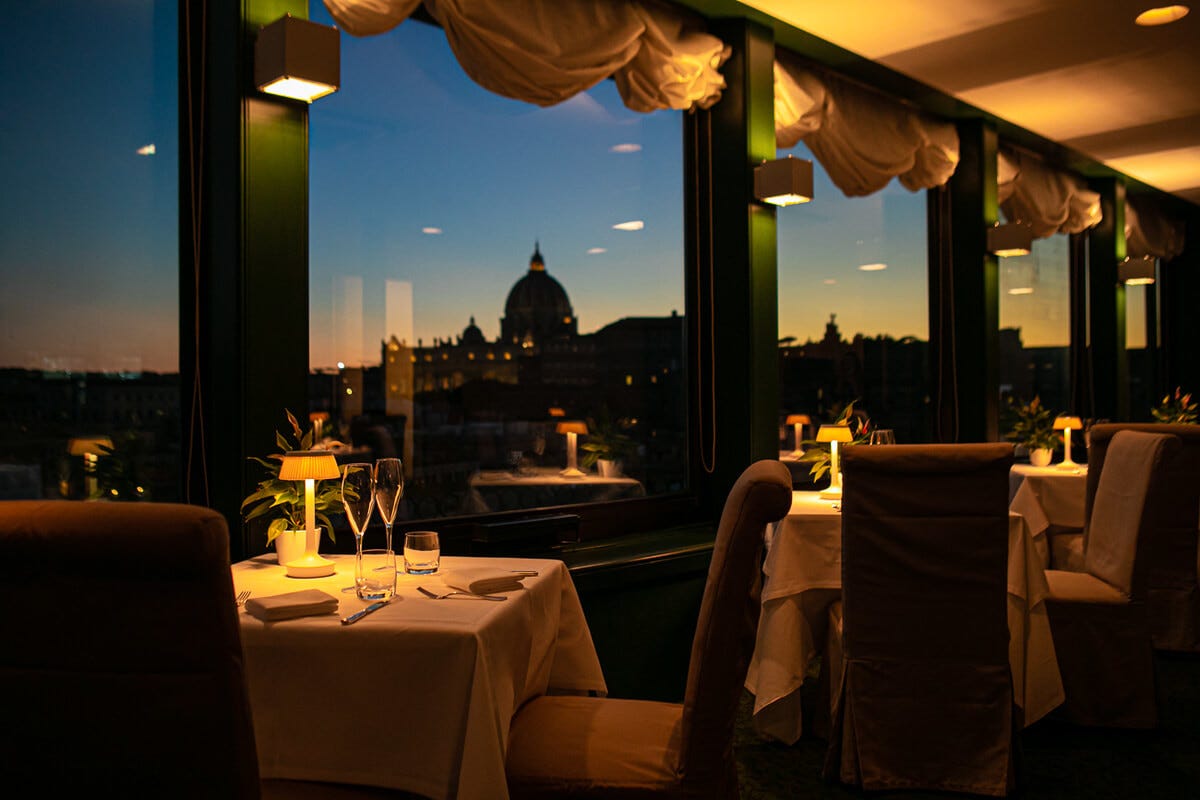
{"x":358,"y":498}
{"x":389,"y":488}
{"x":422,"y":552}
{"x":882,"y":436}
{"x":375,"y":574}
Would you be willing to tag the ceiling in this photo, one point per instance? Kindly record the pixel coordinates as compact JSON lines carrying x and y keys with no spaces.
{"x":1079,"y":72}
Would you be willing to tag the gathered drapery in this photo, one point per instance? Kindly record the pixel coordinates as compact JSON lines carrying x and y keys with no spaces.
{"x":1149,"y":232}
{"x":862,"y":138}
{"x":1046,"y":199}
{"x":547,"y":51}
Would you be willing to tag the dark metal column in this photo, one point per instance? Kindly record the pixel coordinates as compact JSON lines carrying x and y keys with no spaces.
{"x":1106,"y":306}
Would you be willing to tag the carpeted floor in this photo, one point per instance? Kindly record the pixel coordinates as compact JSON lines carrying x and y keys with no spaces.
{"x":1058,"y":761}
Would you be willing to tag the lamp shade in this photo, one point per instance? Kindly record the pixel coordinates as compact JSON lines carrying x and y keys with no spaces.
{"x":1012,"y":239}
{"x":88,"y":445}
{"x":834,"y":433}
{"x":1136,"y":271}
{"x":1067,"y":423}
{"x":572,"y":426}
{"x":798,"y":419}
{"x":555,"y":411}
{"x":301,"y":465}
{"x":784,"y":181}
{"x":297,"y":58}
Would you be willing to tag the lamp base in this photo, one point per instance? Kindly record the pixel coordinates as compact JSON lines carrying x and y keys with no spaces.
{"x":796,"y":454}
{"x":572,"y":472}
{"x":310,"y":566}
{"x":1067,"y":463}
{"x":832,"y":493}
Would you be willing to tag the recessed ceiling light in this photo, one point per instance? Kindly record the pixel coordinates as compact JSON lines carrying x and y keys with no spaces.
{"x":829,"y":282}
{"x":1021,"y":290}
{"x":147,"y":150}
{"x":632,"y":225}
{"x":626,"y":147}
{"x":431,"y":231}
{"x":873,"y":267}
{"x":595,"y":251}
{"x":1163,"y":15}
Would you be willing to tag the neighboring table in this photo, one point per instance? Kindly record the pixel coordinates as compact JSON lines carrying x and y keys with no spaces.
{"x":417,"y":696}
{"x":544,"y":486}
{"x":1050,"y":499}
{"x":803,"y":575}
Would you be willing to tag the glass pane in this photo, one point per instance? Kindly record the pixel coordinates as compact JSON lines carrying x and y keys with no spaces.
{"x":1035,"y":325}
{"x":89,"y":251}
{"x":483,"y":271}
{"x":1139,"y":356}
{"x":853,"y":307}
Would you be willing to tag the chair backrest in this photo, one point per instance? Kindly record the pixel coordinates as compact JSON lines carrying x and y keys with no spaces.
{"x":1123,"y":510}
{"x":728,"y":620}
{"x":924,"y":552}
{"x":122,"y":662}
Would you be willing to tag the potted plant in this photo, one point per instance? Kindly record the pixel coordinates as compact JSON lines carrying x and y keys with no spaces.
{"x":607,"y":445}
{"x":817,"y":454}
{"x":1178,"y":409}
{"x":1033,"y":428}
{"x":283,"y":501}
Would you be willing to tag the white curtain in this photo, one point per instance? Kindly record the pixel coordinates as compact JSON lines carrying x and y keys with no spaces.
{"x":547,"y":51}
{"x":1150,"y":232}
{"x":1049,"y":201}
{"x":862,"y":138}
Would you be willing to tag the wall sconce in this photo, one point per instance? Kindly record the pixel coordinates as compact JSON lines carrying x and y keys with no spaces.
{"x":297,"y":58}
{"x":784,"y":181}
{"x":1066,"y":425}
{"x":834,"y":434}
{"x":1010,"y":239}
{"x":572,"y":428}
{"x":798,"y":421}
{"x":1136,"y":271}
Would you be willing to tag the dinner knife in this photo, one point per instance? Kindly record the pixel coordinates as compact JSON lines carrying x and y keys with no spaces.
{"x":357,"y":615}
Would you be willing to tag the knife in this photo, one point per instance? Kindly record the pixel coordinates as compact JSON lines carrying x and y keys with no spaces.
{"x":357,"y":615}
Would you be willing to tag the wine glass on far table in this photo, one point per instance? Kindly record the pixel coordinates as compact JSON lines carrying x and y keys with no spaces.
{"x":882,"y":436}
{"x":358,"y":498}
{"x":389,"y":488}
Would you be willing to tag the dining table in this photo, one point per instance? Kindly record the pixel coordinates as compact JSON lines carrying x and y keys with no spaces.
{"x":802,"y":577}
{"x":532,"y":487}
{"x":419,"y":694}
{"x":1050,"y":499}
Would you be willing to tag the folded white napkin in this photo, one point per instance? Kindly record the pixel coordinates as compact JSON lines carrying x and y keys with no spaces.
{"x":481,"y":580}
{"x":304,"y":603}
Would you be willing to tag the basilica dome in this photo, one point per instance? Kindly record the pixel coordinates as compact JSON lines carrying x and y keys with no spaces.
{"x":537,"y":307}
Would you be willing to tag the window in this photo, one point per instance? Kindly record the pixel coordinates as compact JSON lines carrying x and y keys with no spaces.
{"x":1141,"y":340}
{"x":1035,"y":324}
{"x":520,"y":263}
{"x":853,"y":307}
{"x":89,"y":251}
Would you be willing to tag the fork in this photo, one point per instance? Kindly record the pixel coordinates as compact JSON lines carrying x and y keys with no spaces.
{"x":242,"y":596}
{"x":444,"y":595}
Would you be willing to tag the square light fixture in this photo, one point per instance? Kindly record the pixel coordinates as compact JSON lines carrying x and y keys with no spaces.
{"x":1011,"y":239}
{"x":1136,"y":271}
{"x":298,"y":59}
{"x":784,"y":181}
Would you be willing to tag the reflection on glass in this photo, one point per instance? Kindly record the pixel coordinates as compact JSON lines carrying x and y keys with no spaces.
{"x":1035,"y":324}
{"x":476,"y":262}
{"x":853,"y":307}
{"x":1141,"y":340}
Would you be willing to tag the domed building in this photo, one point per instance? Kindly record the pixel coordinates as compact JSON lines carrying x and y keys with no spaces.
{"x":537,"y":308}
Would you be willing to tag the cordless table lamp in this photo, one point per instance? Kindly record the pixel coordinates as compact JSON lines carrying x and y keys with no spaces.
{"x":309,"y":466}
{"x":572,"y":428}
{"x":1066,"y":425}
{"x":798,"y":421}
{"x":834,"y":434}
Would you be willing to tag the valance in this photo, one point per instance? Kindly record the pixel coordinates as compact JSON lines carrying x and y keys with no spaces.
{"x":1150,"y":232}
{"x":547,"y":51}
{"x":862,"y":138}
{"x":1048,"y":200}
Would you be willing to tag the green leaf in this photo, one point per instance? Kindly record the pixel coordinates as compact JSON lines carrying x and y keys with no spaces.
{"x":276,"y":527}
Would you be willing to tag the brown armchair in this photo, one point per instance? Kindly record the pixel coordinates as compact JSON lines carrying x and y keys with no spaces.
{"x":567,"y":747}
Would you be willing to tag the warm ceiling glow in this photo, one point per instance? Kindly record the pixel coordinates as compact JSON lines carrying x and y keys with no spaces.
{"x":872,"y":267}
{"x":432,"y":231}
{"x":786,"y":199}
{"x":1139,"y":281}
{"x":1169,"y":170}
{"x":632,"y":225}
{"x":1021,"y":290}
{"x":298,"y":89}
{"x":829,"y":281}
{"x":627,"y":147}
{"x":1163,"y":15}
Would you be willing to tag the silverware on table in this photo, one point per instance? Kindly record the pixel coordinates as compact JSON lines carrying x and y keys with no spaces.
{"x":357,"y":615}
{"x":242,"y":597}
{"x":444,"y":595}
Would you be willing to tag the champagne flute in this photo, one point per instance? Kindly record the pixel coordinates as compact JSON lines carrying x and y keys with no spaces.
{"x":389,"y":488}
{"x":358,"y":498}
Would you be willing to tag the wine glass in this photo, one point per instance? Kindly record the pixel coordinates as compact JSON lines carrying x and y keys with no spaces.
{"x":882,"y":436}
{"x":358,"y":498}
{"x":389,"y":488}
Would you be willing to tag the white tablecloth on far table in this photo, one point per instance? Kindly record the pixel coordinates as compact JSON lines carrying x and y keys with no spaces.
{"x":1047,"y":496}
{"x":803,"y":575}
{"x":418,"y":695}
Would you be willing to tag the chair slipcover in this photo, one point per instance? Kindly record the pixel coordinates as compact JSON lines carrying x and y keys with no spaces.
{"x":1098,"y":617}
{"x":1168,"y":553}
{"x":562,"y":747}
{"x":122,"y":662}
{"x":925,"y":697}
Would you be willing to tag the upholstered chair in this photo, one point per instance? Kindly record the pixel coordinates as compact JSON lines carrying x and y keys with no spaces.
{"x":1098,"y":617}
{"x":923,"y":696}
{"x":122,"y":663}
{"x":1169,"y":549}
{"x":569,"y":747}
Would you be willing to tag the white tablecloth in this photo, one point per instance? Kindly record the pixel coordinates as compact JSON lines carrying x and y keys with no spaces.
{"x":418,"y":695}
{"x":1047,"y":496}
{"x":803,"y":575}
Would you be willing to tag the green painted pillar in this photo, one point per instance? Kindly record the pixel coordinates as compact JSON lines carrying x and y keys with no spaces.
{"x":964,"y":294}
{"x":731,"y":260}
{"x":1107,"y":360}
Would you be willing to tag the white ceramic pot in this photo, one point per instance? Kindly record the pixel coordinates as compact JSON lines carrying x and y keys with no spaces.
{"x":289,"y":546}
{"x":1041,"y":456}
